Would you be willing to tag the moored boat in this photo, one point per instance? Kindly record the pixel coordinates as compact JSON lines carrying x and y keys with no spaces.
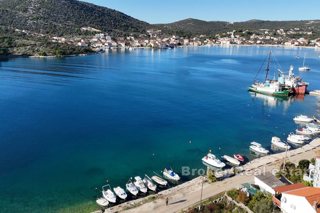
{"x":305,"y":131}
{"x":108,"y":194}
{"x":303,"y":119}
{"x":239,"y":157}
{"x":231,"y":160}
{"x":313,"y":127}
{"x":211,"y":160}
{"x":132,"y":188}
{"x":170,"y":175}
{"x":276,"y":141}
{"x":270,"y":87}
{"x":102,"y":202}
{"x":159,"y":181}
{"x":293,"y":83}
{"x":304,"y":67}
{"x":120,"y":192}
{"x":257,"y":147}
{"x":297,"y":139}
{"x":148,"y":182}
{"x":140,"y":185}
{"x":315,"y":92}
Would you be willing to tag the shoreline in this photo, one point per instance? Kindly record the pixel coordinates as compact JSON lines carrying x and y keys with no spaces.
{"x":151,"y":48}
{"x":187,"y":194}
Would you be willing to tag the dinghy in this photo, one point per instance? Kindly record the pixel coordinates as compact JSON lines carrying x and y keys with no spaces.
{"x":159,"y":181}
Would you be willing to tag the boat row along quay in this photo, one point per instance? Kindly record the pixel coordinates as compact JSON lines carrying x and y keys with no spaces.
{"x":139,"y":190}
{"x":190,"y":192}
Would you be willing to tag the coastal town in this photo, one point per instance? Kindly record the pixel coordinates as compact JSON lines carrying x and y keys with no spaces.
{"x":158,"y":40}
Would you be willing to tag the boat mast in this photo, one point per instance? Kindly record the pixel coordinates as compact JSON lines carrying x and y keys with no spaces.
{"x":268,"y":66}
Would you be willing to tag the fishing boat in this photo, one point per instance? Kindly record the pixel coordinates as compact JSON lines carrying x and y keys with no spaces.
{"x":120,"y":192}
{"x":257,"y":147}
{"x":268,"y":86}
{"x":102,"y":202}
{"x":159,"y":181}
{"x":231,"y":160}
{"x":304,"y":67}
{"x":108,"y":194}
{"x":170,"y":175}
{"x":292,"y":82}
{"x":303,"y":119}
{"x":140,"y":185}
{"x":305,"y":131}
{"x":211,"y":160}
{"x":148,"y":182}
{"x":278,"y":143}
{"x":132,"y":188}
{"x":297,"y":139}
{"x":239,"y":157}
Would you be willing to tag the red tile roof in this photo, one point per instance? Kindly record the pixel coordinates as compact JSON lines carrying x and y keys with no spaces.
{"x":286,"y":188}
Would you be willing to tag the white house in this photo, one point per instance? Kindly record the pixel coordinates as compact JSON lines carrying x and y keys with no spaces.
{"x":297,"y":198}
{"x":313,"y":173}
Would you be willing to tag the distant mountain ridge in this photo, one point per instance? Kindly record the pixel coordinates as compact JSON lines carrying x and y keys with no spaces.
{"x":65,"y":17}
{"x":195,"y":27}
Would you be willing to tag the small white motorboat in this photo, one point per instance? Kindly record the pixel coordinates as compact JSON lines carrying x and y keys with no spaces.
{"x":231,"y":160}
{"x":313,"y":127}
{"x":140,"y":185}
{"x":170,"y":175}
{"x":102,"y":202}
{"x":257,"y":147}
{"x":148,"y":182}
{"x":120,"y":192}
{"x":276,"y":141}
{"x":108,"y":194}
{"x":315,"y":92}
{"x":159,"y":180}
{"x":305,"y":131}
{"x":303,"y":119}
{"x":297,"y":139}
{"x":211,"y":160}
{"x":132,"y":188}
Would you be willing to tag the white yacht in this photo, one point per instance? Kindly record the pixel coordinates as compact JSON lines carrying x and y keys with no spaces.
{"x":140,"y":185}
{"x":132,"y":188}
{"x":257,"y":147}
{"x":303,"y":119}
{"x":148,"y":182}
{"x":102,"y":202}
{"x":159,"y":180}
{"x":278,"y":143}
{"x":297,"y":139}
{"x":170,"y":175}
{"x":120,"y":192}
{"x":108,"y":194}
{"x":231,"y":160}
{"x":211,"y":160}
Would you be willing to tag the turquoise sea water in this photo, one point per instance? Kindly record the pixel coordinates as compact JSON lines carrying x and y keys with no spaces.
{"x":67,"y":125}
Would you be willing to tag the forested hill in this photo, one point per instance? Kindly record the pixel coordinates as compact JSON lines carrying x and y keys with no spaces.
{"x":63,"y":17}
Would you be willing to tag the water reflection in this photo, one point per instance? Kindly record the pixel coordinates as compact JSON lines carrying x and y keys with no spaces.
{"x":273,"y":102}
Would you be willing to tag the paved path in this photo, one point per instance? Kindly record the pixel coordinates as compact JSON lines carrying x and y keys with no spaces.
{"x":187,"y":194}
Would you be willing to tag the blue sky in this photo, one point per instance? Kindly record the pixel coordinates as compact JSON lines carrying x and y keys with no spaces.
{"x":165,"y":11}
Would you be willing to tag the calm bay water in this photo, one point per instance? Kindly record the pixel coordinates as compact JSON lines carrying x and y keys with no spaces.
{"x":68,"y":125}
